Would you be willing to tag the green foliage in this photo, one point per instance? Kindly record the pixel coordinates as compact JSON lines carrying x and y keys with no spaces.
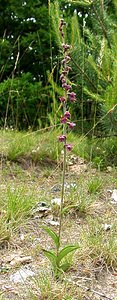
{"x":53,"y":235}
{"x":99,"y":243}
{"x":100,"y":151}
{"x":25,"y":38}
{"x":94,"y":185}
{"x":24,"y":100}
{"x":43,"y":147}
{"x":16,"y":205}
{"x":93,"y":70}
{"x":37,"y":146}
{"x":25,"y":27}
{"x":56,"y":259}
{"x":30,"y":50}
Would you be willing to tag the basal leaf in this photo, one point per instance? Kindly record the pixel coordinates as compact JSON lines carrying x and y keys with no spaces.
{"x":65,"y":266}
{"x":52,"y":257}
{"x":52,"y":234}
{"x":66,"y":250}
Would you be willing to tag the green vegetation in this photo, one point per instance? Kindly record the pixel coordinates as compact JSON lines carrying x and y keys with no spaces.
{"x":30,"y":64}
{"x":42,"y":145}
{"x":32,"y":158}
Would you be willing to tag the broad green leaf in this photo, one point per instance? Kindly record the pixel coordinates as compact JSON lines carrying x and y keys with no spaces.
{"x":65,"y":266}
{"x":66,"y":250}
{"x":51,"y":256}
{"x":52,"y":234}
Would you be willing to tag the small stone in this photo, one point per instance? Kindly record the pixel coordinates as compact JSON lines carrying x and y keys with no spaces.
{"x":114,"y":195}
{"x":56,"y":201}
{"x":109,"y":169}
{"x":21,"y":275}
{"x":107,"y":227}
{"x":52,"y":222}
{"x":22,"y":237}
{"x":56,"y":189}
{"x":43,"y":204}
{"x":20,"y":260}
{"x":71,"y":185}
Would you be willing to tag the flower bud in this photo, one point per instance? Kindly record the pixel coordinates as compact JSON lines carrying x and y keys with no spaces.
{"x":63,"y":120}
{"x":68,"y":147}
{"x":72,"y":97}
{"x":67,"y":114}
{"x":62,"y":99}
{"x":66,"y":86}
{"x":62,"y":138}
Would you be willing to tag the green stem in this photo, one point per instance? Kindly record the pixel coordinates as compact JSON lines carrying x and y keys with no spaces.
{"x":63,"y":183}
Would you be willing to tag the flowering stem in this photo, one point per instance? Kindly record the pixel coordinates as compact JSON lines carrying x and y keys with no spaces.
{"x":63,"y":179}
{"x":66,"y":118}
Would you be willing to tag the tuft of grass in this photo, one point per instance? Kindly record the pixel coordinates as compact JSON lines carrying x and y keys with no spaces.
{"x":79,"y":200}
{"x":94,"y":185}
{"x":47,"y":288}
{"x":16,"y":206}
{"x":100,"y":245}
{"x":4,"y":231}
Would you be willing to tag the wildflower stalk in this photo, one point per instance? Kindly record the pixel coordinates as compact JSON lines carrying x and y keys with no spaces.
{"x":65,"y":119}
{"x":56,"y":259}
{"x":63,"y":179}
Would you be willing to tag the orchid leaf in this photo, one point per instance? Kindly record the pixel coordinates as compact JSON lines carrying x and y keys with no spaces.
{"x":66,"y":250}
{"x":52,"y":234}
{"x":65,"y":266}
{"x":52,"y":257}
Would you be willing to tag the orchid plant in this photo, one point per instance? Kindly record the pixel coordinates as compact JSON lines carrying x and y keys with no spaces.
{"x":65,"y":120}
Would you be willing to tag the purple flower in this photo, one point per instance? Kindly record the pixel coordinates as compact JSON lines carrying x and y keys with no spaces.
{"x":67,"y":114}
{"x":65,"y":47}
{"x":65,"y":72}
{"x":62,"y":138}
{"x":62,"y":99}
{"x":66,"y":86}
{"x":63,"y":120}
{"x":72,"y":96}
{"x":71,"y":125}
{"x":63,"y":61}
{"x":63,"y":80}
{"x":67,"y":69}
{"x":67,"y":58}
{"x":62,"y":76}
{"x":68,"y":147}
{"x":62,"y":22}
